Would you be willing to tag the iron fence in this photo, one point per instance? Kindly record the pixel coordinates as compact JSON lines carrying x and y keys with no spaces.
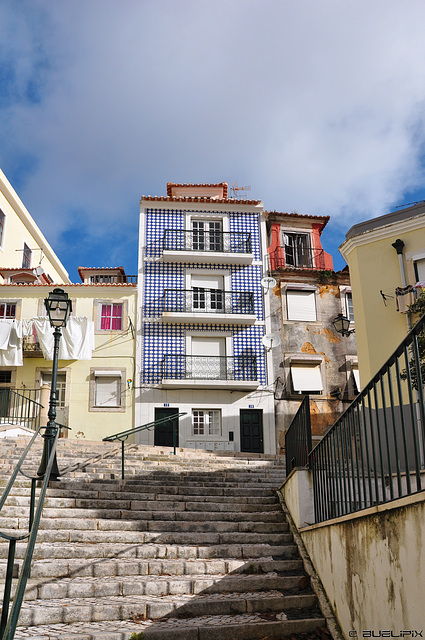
{"x":291,"y":257}
{"x":298,"y":438}
{"x":176,"y":367}
{"x":375,"y":452}
{"x":20,"y":407}
{"x":203,"y":240}
{"x":208,"y":300}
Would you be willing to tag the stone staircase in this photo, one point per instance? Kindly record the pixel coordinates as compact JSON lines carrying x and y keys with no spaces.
{"x":188,"y":547}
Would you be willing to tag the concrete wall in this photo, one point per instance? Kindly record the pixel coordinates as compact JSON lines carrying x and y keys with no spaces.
{"x":371,"y":564}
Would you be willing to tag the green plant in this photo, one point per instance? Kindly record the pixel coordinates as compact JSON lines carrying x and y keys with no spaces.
{"x":325,"y":276}
{"x":137,"y":636}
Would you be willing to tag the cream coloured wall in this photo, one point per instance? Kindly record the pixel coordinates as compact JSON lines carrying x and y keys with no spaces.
{"x":114,"y":351}
{"x":20,"y":228}
{"x":374,"y":267}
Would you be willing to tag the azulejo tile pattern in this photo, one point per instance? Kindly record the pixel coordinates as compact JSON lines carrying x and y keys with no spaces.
{"x":170,"y":339}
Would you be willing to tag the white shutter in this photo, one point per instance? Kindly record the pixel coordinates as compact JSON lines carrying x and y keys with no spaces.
{"x":207,"y":282}
{"x":356,"y":375}
{"x":108,"y":391}
{"x":301,"y":305}
{"x":306,"y":377}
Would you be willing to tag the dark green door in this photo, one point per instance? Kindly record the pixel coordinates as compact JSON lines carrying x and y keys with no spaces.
{"x":251,"y":430}
{"x":164,"y":431}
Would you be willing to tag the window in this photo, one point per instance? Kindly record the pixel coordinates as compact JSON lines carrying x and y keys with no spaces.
{"x":208,"y":292}
{"x":111,"y":317}
{"x":2,"y":223}
{"x":107,"y":390}
{"x":207,"y":235}
{"x":301,"y":305}
{"x":306,"y":378}
{"x":420,"y":270}
{"x":206,"y":422}
{"x":297,"y":249}
{"x":356,"y":375}
{"x":349,"y":306}
{"x":5,"y":376}
{"x":60,"y":387}
{"x":102,"y":278}
{"x":7,"y":310}
{"x":26,"y":258}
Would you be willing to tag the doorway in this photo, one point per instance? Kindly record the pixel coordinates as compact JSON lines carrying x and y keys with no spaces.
{"x":163,"y":436}
{"x":251,"y":424}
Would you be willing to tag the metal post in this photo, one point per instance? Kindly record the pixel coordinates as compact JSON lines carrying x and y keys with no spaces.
{"x":51,"y":429}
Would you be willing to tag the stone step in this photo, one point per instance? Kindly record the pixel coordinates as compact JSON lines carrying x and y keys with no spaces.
{"x":107,"y":567}
{"x":137,"y":535}
{"x":160,"y":550}
{"x":99,"y":608}
{"x":87,"y":587}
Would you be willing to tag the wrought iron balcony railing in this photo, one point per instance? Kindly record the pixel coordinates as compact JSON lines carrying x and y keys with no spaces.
{"x":208,"y":301}
{"x":289,"y":257}
{"x":203,"y":240}
{"x":242,"y":367}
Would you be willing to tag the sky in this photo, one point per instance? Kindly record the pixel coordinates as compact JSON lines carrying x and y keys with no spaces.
{"x":318,"y":107}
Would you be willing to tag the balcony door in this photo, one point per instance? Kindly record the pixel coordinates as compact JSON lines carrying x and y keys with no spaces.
{"x":207,"y":235}
{"x":208,"y":358}
{"x":207,"y":292}
{"x":167,"y":431}
{"x":297,"y":250}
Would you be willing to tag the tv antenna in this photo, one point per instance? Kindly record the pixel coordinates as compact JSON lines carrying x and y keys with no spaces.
{"x":235,"y":190}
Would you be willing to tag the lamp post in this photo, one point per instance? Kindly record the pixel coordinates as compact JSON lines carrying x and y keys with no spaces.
{"x":58,"y":307}
{"x":342,"y":325}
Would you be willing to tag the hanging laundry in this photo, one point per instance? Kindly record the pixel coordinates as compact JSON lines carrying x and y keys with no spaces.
{"x":404,"y":297}
{"x":11,"y":343}
{"x":77,"y":339}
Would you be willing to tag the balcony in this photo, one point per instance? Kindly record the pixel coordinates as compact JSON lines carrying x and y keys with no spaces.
{"x":31,"y":347}
{"x":290,"y":257}
{"x":210,"y":372}
{"x":208,"y":305}
{"x":207,"y":246}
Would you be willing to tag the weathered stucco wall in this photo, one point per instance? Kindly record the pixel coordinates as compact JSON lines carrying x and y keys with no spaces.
{"x":372,"y":566}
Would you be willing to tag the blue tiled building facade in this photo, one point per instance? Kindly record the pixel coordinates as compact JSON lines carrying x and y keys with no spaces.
{"x":202,"y":320}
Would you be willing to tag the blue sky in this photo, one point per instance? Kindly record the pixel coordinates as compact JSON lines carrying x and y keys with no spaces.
{"x":318,"y":106}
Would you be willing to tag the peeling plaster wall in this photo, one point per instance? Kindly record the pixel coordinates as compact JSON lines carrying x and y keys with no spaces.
{"x":372,"y":566}
{"x":318,"y":339}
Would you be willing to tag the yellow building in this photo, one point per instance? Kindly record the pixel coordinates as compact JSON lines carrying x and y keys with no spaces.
{"x":386,"y":257}
{"x":95,"y":375}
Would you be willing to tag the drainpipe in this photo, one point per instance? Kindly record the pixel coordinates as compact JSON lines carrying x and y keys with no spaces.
{"x":398,"y":246}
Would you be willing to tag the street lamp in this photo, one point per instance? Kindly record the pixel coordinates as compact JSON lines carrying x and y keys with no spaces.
{"x":342,"y":325}
{"x":58,"y":307}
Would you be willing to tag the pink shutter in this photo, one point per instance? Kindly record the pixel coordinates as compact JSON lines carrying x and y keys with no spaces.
{"x":117,"y":317}
{"x":105,"y":321}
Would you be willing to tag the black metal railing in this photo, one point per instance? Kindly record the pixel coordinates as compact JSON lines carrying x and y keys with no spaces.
{"x":298,"y":438}
{"x":176,"y":367}
{"x":113,"y":279}
{"x":10,"y":615}
{"x":20,"y":407}
{"x":218,"y":241}
{"x":199,"y":300}
{"x":122,"y":436}
{"x":375,"y":452}
{"x":297,"y":258}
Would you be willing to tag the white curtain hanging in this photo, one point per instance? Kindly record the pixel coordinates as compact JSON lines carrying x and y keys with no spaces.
{"x":76,"y":343}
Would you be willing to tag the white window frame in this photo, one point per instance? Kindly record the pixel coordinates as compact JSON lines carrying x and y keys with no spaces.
{"x":211,"y":424}
{"x":97,"y":316}
{"x":26,"y":245}
{"x":107,"y":372}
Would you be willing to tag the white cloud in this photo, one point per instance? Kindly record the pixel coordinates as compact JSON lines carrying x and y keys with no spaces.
{"x":319,"y":106}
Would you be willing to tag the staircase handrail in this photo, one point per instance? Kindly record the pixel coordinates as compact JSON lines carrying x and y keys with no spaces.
{"x":9,"y":620}
{"x":123,"y":435}
{"x":21,"y":412}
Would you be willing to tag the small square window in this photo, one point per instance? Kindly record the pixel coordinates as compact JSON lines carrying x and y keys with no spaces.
{"x":7,"y":310}
{"x":111,"y":317}
{"x":206,"y":422}
{"x":306,"y":378}
{"x":107,"y":390}
{"x":301,"y":305}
